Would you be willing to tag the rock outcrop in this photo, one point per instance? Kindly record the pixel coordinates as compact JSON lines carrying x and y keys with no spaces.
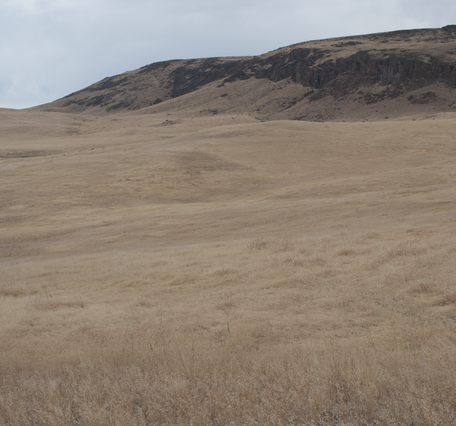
{"x":417,"y":67}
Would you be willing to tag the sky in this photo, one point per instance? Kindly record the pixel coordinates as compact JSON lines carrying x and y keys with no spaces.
{"x":51,"y":48}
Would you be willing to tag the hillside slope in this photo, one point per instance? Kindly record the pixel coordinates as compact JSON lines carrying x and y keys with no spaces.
{"x":377,"y":76}
{"x":299,"y":273}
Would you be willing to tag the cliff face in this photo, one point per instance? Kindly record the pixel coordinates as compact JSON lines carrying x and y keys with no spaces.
{"x":379,"y":67}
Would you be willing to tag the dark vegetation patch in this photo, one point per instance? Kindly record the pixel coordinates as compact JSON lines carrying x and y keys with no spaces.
{"x":123,"y":104}
{"x":22,"y":154}
{"x":424,"y":98}
{"x":388,"y":93}
{"x":320,"y":94}
{"x":449,"y":28}
{"x":80,"y":102}
{"x":100,"y":100}
{"x":347,"y":43}
{"x":171,"y":122}
{"x":213,"y":111}
{"x":109,"y":83}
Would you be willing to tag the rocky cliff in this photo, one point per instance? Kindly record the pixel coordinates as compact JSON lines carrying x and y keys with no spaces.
{"x":317,"y":80}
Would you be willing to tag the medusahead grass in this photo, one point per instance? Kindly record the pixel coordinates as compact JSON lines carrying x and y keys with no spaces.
{"x":342,"y":368}
{"x":262,"y":273}
{"x":348,"y":327}
{"x":233,"y":381}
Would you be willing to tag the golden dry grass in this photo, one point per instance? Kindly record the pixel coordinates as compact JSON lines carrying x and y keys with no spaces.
{"x":225,"y":271}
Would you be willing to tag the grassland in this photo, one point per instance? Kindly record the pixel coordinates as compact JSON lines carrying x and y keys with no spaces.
{"x":210,"y":271}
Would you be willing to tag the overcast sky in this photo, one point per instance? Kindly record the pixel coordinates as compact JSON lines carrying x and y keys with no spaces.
{"x":51,"y":48}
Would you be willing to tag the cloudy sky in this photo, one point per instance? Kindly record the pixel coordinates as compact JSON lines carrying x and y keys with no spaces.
{"x":50,"y":48}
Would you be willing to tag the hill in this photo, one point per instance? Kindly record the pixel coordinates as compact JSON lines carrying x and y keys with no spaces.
{"x":199,"y":262}
{"x":377,"y":76}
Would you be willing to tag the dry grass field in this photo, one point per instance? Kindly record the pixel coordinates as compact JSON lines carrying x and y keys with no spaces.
{"x":172,"y":270}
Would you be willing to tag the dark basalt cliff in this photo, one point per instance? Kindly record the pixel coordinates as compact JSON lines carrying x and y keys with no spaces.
{"x":392,"y":64}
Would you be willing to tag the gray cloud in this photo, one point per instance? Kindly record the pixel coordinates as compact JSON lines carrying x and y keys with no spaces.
{"x":49,"y":48}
